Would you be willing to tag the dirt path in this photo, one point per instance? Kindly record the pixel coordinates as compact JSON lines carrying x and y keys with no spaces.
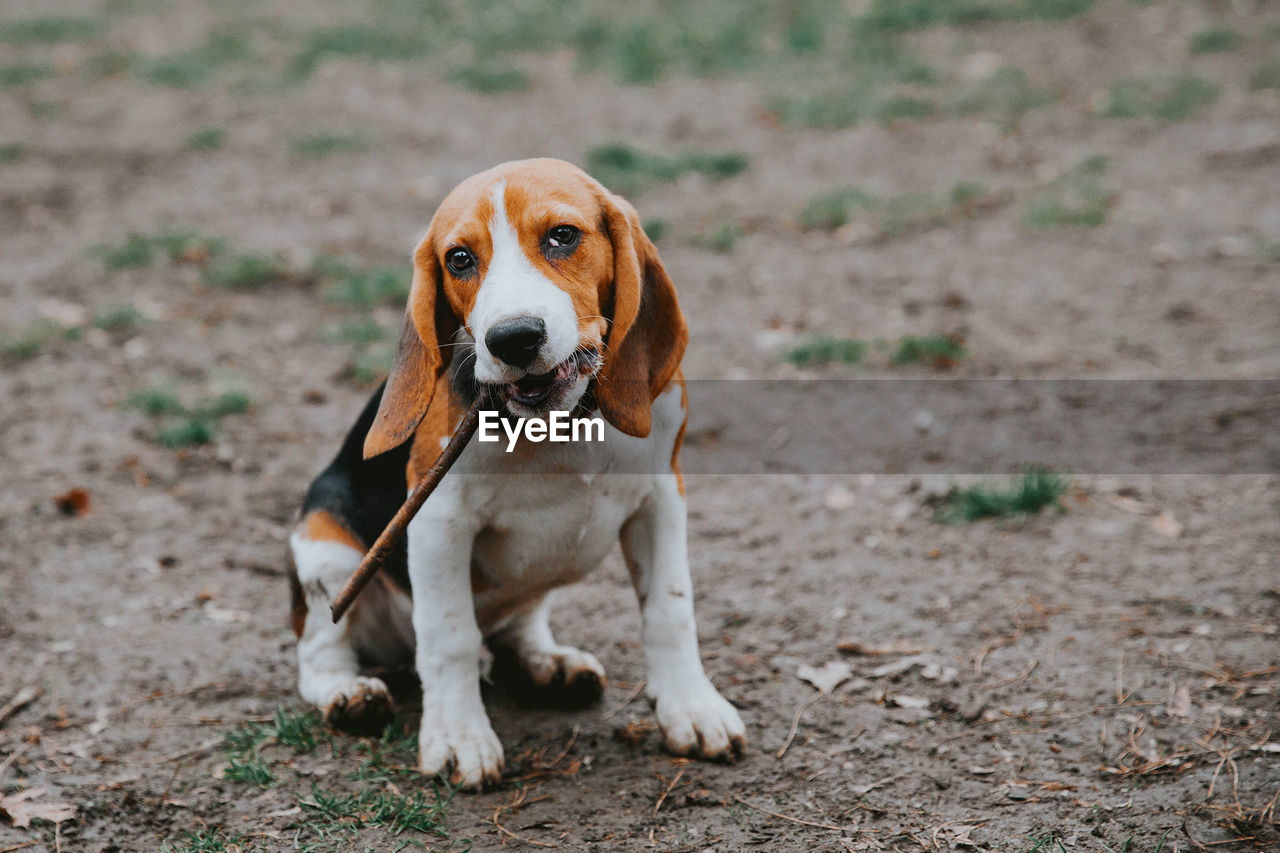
{"x":1083,"y":680}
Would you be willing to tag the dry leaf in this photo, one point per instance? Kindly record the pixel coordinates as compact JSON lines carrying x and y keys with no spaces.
{"x":827,"y":677}
{"x":937,"y":672}
{"x":898,"y":667}
{"x":838,"y":498}
{"x":219,"y":614}
{"x":74,"y":502}
{"x":1128,"y":504}
{"x":20,"y":810}
{"x":1180,"y":704}
{"x":862,"y":647}
{"x":1166,"y":525}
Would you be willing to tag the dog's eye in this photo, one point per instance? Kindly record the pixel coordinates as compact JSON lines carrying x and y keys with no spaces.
{"x":459,"y":261}
{"x":563,"y":237}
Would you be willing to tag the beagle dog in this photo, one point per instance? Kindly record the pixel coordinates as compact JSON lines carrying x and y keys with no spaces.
{"x":535,"y":286}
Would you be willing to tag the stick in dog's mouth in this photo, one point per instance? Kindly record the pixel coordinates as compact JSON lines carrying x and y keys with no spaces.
{"x":534,"y":391}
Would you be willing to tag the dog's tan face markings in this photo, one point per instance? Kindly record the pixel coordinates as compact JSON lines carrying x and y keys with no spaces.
{"x":540,"y":245}
{"x":535,"y":199}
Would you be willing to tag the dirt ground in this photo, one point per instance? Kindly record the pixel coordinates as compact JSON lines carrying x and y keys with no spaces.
{"x":1101,"y":678}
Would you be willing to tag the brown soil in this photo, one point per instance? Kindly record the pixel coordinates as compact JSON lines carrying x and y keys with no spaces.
{"x":1097,"y":674}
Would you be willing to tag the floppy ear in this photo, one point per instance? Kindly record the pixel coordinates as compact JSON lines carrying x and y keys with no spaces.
{"x":418,"y":363}
{"x":647,"y":333}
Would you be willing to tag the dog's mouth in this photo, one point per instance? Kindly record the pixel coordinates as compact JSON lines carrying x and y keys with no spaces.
{"x":535,"y":390}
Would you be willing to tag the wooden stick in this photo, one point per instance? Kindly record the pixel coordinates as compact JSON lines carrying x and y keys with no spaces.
{"x":377,"y":555}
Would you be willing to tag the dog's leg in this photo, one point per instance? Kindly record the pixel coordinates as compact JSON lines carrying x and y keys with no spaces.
{"x":328,"y":663}
{"x":536,"y":670}
{"x":695,"y":719}
{"x":455,"y":730}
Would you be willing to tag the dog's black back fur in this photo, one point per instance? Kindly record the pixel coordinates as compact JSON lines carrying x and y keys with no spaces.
{"x":362,"y":493}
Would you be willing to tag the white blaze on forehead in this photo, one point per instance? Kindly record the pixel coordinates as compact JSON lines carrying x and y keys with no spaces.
{"x":514,"y":287}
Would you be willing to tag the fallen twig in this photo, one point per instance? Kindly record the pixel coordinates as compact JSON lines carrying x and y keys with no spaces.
{"x":663,"y":798}
{"x":1026,"y":672}
{"x":798,"y":820}
{"x":519,"y":801}
{"x":24,"y":697}
{"x":631,"y":697}
{"x":795,"y":725}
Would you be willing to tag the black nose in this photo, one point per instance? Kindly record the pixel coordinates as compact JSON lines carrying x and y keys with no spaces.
{"x":517,"y":341}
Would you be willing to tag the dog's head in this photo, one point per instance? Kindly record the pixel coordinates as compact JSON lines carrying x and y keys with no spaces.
{"x":555,"y":282}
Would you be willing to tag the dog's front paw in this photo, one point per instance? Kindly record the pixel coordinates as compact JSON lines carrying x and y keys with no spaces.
{"x":562,"y":678}
{"x":699,"y":723}
{"x":364,"y":706}
{"x":463,"y":747}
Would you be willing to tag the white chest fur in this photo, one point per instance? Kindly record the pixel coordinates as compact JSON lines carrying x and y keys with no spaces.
{"x":544,"y":514}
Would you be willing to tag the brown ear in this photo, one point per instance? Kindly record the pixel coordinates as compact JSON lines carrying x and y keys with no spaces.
{"x":418,"y":363}
{"x":647,"y":333}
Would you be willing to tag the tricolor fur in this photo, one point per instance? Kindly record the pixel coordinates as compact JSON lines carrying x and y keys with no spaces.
{"x":537,"y":287}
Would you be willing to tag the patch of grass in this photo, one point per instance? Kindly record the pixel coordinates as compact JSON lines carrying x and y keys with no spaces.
{"x":1172,"y":100}
{"x":244,"y":271}
{"x":823,"y":349}
{"x":180,"y":426}
{"x":191,"y":68}
{"x":155,"y":402}
{"x":34,"y":339}
{"x":656,"y":228}
{"x":490,"y":78}
{"x":358,"y":41}
{"x":1050,"y":843}
{"x":244,"y":745}
{"x":393,"y":812}
{"x":227,"y":403}
{"x":362,"y":288}
{"x":392,"y":756}
{"x":108,"y":63}
{"x":118,"y":318}
{"x":906,"y":15}
{"x":1006,"y":97}
{"x":628,"y":170}
{"x":1076,"y":199}
{"x":134,"y":252}
{"x":298,"y":730}
{"x":206,"y":139}
{"x":892,"y":216}
{"x":841,"y":109}
{"x":937,"y":351}
{"x":1186,"y":97}
{"x":206,"y":841}
{"x":251,"y":769}
{"x":12,"y":76}
{"x":834,"y":209}
{"x":1265,"y":76}
{"x":1218,"y":39}
{"x":12,"y":152}
{"x":320,"y":145}
{"x":360,"y":331}
{"x":188,"y":431}
{"x":1032,"y":491}
{"x":187,"y":246}
{"x":138,"y":250}
{"x":48,"y":30}
{"x":885,"y":87}
{"x":721,"y":237}
{"x":368,"y":364}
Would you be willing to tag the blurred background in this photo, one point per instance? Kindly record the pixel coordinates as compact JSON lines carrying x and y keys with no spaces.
{"x":206,"y":215}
